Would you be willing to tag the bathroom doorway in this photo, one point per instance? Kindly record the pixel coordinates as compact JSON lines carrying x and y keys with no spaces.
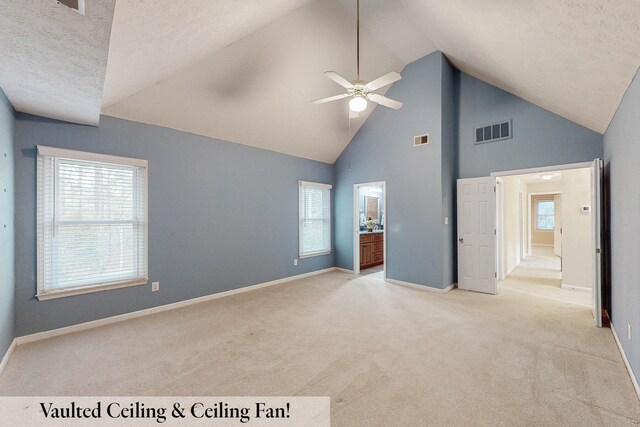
{"x":370,"y":220}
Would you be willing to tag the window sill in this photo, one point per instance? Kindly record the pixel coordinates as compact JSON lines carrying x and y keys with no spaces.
{"x":309,"y":255}
{"x":69,"y":292}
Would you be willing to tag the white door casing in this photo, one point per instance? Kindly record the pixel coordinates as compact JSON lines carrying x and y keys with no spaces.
{"x":596,"y":217}
{"x":476,"y":235}
{"x":557,"y":222}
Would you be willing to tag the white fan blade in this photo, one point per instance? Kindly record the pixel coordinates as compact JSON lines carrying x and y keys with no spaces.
{"x":383,"y":100}
{"x":330,"y":98}
{"x":385,"y":80}
{"x":339,"y":79}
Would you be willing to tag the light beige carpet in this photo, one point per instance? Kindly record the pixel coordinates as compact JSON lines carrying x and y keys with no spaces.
{"x":386,"y":354}
{"x":539,"y":275}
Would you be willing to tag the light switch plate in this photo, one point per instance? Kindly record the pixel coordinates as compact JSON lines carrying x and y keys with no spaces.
{"x":155,"y":286}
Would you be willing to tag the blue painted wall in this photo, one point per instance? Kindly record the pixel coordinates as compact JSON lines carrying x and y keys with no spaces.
{"x":450,"y":78}
{"x":383,"y":150}
{"x":7,"y":234}
{"x":540,"y":138}
{"x":622,"y":156}
{"x":221,"y":216}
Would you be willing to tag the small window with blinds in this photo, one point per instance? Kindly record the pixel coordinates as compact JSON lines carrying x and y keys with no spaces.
{"x":314,"y":219}
{"x":91,"y":222}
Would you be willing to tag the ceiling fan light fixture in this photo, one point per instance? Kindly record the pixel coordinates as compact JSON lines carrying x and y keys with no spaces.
{"x":358,"y":103}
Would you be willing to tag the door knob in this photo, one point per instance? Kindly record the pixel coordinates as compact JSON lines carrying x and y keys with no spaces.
{"x":461,"y":240}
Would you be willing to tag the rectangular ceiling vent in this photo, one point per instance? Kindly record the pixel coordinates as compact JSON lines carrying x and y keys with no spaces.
{"x":495,"y":132}
{"x":420,"y":140}
{"x":77,"y":5}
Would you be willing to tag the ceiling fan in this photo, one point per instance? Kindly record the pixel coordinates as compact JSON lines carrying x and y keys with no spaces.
{"x":360,"y":92}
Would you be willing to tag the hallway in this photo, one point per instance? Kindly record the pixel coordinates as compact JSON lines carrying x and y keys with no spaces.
{"x":539,"y":275}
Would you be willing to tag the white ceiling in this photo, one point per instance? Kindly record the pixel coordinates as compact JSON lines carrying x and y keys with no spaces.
{"x":538,"y":177}
{"x":246,"y":71}
{"x":52,"y":59}
{"x":575,"y":58}
{"x":257,"y":91}
{"x":151,"y":39}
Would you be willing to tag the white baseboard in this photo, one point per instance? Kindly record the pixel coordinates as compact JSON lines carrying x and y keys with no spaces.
{"x":421,"y":287}
{"x":634,"y":381}
{"x":575,"y":288}
{"x":7,"y":355}
{"x":450,"y":288}
{"x":122,"y":317}
{"x":344,"y":270}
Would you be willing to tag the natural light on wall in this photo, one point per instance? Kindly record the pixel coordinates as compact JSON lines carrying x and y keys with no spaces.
{"x":314,"y":219}
{"x":92,"y":227}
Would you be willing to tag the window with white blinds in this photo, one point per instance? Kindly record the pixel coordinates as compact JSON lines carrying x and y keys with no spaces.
{"x":314,"y":219}
{"x":92,"y":222}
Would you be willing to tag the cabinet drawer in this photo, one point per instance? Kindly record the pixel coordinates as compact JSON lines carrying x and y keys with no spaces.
{"x":377,"y":246}
{"x":378,"y":237}
{"x":366,"y":238}
{"x":377,"y":257}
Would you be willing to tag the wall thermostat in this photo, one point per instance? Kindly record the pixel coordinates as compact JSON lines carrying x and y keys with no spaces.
{"x":585,"y":209}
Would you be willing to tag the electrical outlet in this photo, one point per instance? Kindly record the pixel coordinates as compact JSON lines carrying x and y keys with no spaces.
{"x":295,"y":261}
{"x":629,"y":331}
{"x":155,"y":286}
{"x":446,"y":220}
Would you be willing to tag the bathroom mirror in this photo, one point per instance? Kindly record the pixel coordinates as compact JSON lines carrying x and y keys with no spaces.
{"x":373,"y":207}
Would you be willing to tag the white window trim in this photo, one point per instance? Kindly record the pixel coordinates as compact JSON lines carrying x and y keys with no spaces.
{"x":318,"y":253}
{"x":43,"y":150}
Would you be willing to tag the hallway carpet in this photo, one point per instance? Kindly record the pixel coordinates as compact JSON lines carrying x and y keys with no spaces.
{"x":539,"y":275}
{"x":386,"y":354}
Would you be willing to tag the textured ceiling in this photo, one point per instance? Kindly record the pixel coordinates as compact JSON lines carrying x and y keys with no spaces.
{"x":53,"y":59}
{"x":575,"y":58}
{"x":245,"y":71}
{"x":153,"y":38}
{"x":257,"y":91}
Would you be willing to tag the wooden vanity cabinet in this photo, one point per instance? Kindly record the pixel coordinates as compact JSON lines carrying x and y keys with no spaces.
{"x":371,"y":250}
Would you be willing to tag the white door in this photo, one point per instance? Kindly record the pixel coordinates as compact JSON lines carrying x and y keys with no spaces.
{"x":476,"y":235}
{"x":557,"y":223}
{"x":596,"y":217}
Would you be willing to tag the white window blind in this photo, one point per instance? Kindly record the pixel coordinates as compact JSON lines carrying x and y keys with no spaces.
{"x":314,"y":219}
{"x":92,"y":222}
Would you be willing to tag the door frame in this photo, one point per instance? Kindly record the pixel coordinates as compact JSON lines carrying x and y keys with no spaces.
{"x":596,"y":223}
{"x":356,"y":226}
{"x":499,"y":229}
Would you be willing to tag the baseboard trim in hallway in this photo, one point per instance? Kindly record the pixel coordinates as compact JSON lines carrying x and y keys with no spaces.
{"x":626,"y":361}
{"x":7,"y":355}
{"x":172,"y":306}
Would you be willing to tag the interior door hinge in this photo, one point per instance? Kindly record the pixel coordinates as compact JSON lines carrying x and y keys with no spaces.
{"x":494,"y":232}
{"x":495,"y":274}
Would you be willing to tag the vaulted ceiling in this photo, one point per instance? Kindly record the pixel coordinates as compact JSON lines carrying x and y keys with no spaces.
{"x":246,"y":71}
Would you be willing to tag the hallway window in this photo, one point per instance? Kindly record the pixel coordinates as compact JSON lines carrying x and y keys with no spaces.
{"x":91,"y":222}
{"x":545,"y":215}
{"x":314,"y":219}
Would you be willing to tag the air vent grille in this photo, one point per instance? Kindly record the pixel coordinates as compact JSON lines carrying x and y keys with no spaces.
{"x":420,"y":140}
{"x":77,"y":5}
{"x":494,"y":132}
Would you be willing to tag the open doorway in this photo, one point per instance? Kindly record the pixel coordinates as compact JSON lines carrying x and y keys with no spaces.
{"x":369,"y":229}
{"x":545,"y":235}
